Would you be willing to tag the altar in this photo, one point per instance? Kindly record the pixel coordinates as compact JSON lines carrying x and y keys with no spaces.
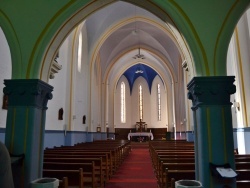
{"x":148,"y":134}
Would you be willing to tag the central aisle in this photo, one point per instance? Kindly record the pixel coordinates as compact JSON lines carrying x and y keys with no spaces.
{"x":136,"y":170}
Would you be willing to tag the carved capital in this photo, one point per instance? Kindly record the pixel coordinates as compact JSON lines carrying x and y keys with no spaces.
{"x":214,"y":90}
{"x":31,"y":92}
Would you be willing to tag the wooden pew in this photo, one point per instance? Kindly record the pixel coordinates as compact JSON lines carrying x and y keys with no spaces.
{"x":242,"y":180}
{"x":166,"y":167}
{"x":114,"y":155}
{"x":243,"y":168}
{"x":118,"y":151}
{"x":75,"y":177}
{"x":243,"y":183}
{"x":89,"y":166}
{"x":111,"y":152}
{"x":106,"y":160}
{"x":161,"y":160}
{"x":63,"y":183}
{"x":91,"y":176}
{"x":155,"y":160}
{"x":122,"y":147}
{"x":243,"y":174}
{"x":184,"y":158}
{"x":242,"y":159}
{"x":171,"y":153}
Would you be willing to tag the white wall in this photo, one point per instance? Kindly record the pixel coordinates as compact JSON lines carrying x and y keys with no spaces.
{"x":59,"y":93}
{"x":70,"y":87}
{"x":96,"y":99}
{"x":81,"y":79}
{"x":238,"y":65}
{"x":5,"y":73}
{"x":154,"y":105}
{"x":117,"y":105}
{"x":243,"y":40}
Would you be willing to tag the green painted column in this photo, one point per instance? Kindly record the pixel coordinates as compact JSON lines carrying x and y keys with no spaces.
{"x":27,"y":104}
{"x":213,"y":126}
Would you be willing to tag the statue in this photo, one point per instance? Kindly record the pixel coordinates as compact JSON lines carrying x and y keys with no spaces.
{"x":60,"y":114}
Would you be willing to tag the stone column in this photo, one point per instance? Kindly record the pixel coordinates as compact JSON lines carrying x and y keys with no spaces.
{"x":27,"y":104}
{"x":213,"y":126}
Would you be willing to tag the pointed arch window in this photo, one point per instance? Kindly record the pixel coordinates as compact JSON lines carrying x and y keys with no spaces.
{"x":140,"y":102}
{"x":79,"y":53}
{"x":123,"y":103}
{"x":159,"y":101}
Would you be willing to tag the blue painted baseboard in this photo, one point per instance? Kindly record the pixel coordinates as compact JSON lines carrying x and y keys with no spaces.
{"x":190,"y":136}
{"x":69,"y":138}
{"x":2,"y":135}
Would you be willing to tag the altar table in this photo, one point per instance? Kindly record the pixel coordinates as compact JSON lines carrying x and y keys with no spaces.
{"x":149,"y":134}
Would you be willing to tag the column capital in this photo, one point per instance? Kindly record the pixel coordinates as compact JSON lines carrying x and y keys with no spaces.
{"x":212,"y":90}
{"x":28,"y":92}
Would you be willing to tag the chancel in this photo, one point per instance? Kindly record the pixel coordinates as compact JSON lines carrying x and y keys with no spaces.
{"x":141,"y":132}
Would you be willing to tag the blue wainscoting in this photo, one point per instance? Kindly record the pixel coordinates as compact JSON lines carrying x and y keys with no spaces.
{"x":65,"y":138}
{"x":2,"y":135}
{"x":247,"y":139}
{"x":74,"y":137}
{"x":69,"y":138}
{"x":53,"y":138}
{"x":190,"y":136}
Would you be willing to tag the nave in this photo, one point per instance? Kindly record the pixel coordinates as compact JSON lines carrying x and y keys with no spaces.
{"x":120,"y":164}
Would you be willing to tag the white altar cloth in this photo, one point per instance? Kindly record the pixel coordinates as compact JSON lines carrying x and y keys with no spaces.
{"x":141,"y":134}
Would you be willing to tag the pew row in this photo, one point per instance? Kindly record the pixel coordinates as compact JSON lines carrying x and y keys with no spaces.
{"x":73,"y":163}
{"x":166,"y":155}
{"x":79,"y":157}
{"x":75,"y":177}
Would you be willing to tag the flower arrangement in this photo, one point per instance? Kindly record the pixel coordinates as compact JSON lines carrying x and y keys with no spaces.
{"x":140,"y":139}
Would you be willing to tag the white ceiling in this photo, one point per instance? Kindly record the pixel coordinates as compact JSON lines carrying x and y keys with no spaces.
{"x":118,"y":30}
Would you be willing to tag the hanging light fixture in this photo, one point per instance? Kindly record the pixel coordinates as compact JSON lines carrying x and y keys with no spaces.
{"x":139,"y":55}
{"x":136,"y":32}
{"x":139,"y":69}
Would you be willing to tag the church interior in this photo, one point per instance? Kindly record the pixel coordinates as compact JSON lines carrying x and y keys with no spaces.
{"x":79,"y":72}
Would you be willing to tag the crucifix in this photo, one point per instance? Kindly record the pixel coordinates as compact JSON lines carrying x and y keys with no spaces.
{"x":141,"y":125}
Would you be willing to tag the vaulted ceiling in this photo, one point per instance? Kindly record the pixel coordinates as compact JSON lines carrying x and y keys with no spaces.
{"x":117,"y":31}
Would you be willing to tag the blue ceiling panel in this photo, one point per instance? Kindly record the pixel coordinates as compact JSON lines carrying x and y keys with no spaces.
{"x":138,"y":70}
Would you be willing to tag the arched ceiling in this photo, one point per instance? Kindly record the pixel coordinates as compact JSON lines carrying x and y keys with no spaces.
{"x":138,"y":70}
{"x":121,"y":28}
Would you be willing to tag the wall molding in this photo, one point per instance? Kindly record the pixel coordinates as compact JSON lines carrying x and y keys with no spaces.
{"x":241,"y":129}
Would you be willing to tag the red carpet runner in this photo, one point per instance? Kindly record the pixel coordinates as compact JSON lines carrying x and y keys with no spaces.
{"x":136,"y":170}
